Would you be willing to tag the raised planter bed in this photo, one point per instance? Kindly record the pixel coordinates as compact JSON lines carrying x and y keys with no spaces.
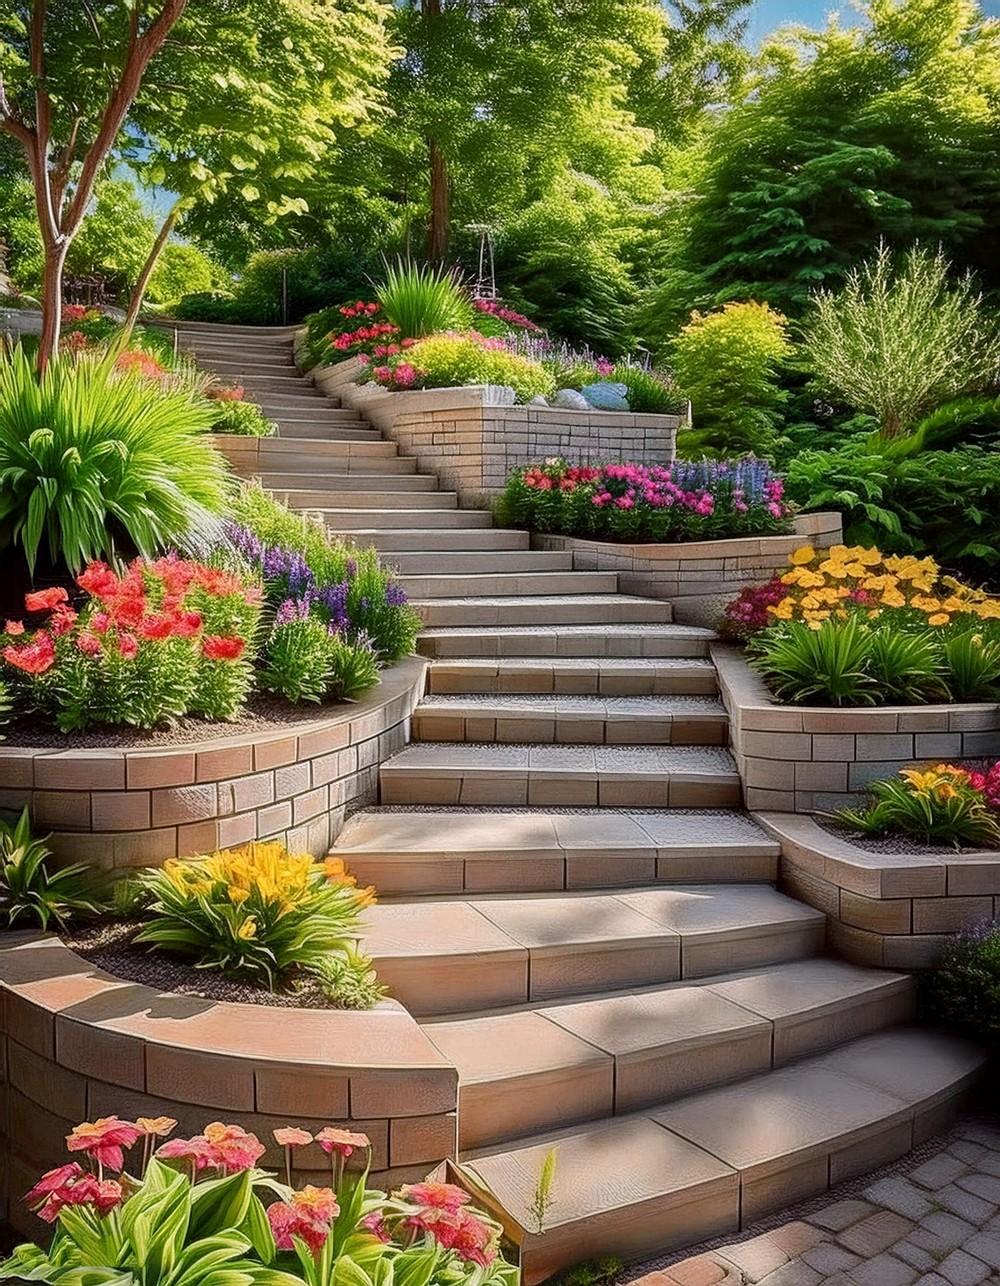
{"x":804,"y":759}
{"x":893,"y":910}
{"x":77,"y":1043}
{"x":138,"y":806}
{"x":698,"y":576}
{"x":473,"y":444}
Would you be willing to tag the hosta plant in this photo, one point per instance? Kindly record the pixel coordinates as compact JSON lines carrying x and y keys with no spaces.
{"x":160,"y":640}
{"x":257,"y":913}
{"x":201,"y":1212}
{"x":33,"y":890}
{"x":942,"y":804}
{"x":94,"y":459}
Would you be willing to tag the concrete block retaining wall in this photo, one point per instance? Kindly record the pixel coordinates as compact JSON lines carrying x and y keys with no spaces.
{"x":473,"y":445}
{"x":699,"y":576}
{"x":77,"y":1044}
{"x":802,"y":759}
{"x":138,"y":807}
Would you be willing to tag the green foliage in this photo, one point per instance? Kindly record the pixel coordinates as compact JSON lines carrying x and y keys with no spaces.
{"x":592,"y":1272}
{"x":115,"y":237}
{"x":421,"y":299}
{"x":826,"y":666}
{"x":93,"y":460}
{"x":648,"y":392}
{"x":181,"y":270}
{"x":851,"y":479}
{"x":19,"y":233}
{"x":933,"y":805}
{"x":32,"y":888}
{"x":543,"y":1199}
{"x":973,"y":666}
{"x":259,"y":913}
{"x":244,"y":419}
{"x":449,"y":361}
{"x":898,"y":342}
{"x":727,"y":363}
{"x":305,"y":661}
{"x":963,"y":991}
{"x":349,"y":981}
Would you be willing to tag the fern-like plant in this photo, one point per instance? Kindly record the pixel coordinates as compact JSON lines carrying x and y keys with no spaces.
{"x":31,"y":888}
{"x":93,"y":458}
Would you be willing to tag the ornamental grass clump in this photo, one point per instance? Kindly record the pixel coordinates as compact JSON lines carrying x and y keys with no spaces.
{"x":258,"y":914}
{"x":33,"y":890}
{"x":146,"y":646}
{"x":137,"y":1207}
{"x":686,"y":500}
{"x":942,"y":804}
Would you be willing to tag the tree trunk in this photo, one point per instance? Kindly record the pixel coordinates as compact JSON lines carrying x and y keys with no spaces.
{"x":439,"y":231}
{"x":52,"y":280}
{"x":139,"y":292}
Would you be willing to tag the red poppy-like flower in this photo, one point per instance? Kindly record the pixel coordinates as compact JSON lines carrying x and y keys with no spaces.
{"x":128,"y":646}
{"x":156,"y":626}
{"x":187,"y":624}
{"x":458,"y":1230}
{"x":98,"y":579}
{"x":44,"y":600}
{"x":33,"y":658}
{"x":14,"y":628}
{"x":104,"y":1139}
{"x":51,"y":1181}
{"x":89,"y":644}
{"x":218,"y":648}
{"x":197,"y":1150}
{"x":289,"y":1220}
{"x":62,"y":620}
{"x":233,"y":1149}
{"x":342,"y":1141}
{"x":109,"y":1195}
{"x":128,"y":611}
{"x":440,"y":1196}
{"x":290,"y":1137}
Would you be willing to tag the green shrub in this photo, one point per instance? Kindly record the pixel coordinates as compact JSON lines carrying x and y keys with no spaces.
{"x":648,"y":392}
{"x":259,"y":912}
{"x":963,"y":991}
{"x":422,"y":298}
{"x":245,"y":419}
{"x":209,"y":306}
{"x":972,"y":665}
{"x":451,"y":361}
{"x":94,"y":460}
{"x":899,"y":342}
{"x":180,"y":270}
{"x":349,"y":981}
{"x":727,"y":363}
{"x":32,"y":888}
{"x":825,"y":666}
{"x":933,"y":805}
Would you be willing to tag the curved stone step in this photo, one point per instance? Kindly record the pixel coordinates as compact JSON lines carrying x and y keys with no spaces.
{"x":657,"y":640}
{"x":641,"y":1185}
{"x":444,"y":956}
{"x":530,"y":584}
{"x":449,"y":611}
{"x":426,"y":851}
{"x":542,"y":718}
{"x":459,"y":562}
{"x":548,"y":1066}
{"x":626,"y":776}
{"x":311,"y":450}
{"x":276,"y":468}
{"x":607,"y":676}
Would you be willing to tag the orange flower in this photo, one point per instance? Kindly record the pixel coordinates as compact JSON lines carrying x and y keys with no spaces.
{"x":319,"y":1202}
{"x":156,"y":1126}
{"x":290,"y":1137}
{"x":104,"y":1140}
{"x":342,"y":1141}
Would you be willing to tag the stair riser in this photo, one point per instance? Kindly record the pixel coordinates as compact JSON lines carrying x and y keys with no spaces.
{"x":500,"y":586}
{"x":277,"y":472}
{"x":569,"y":729}
{"x":503,"y":1111}
{"x":317,"y":453}
{"x":329,"y":433}
{"x":485,"y":563}
{"x":519,"y":790}
{"x":443,"y":681}
{"x":595,"y":645}
{"x":405,"y":542}
{"x":367,"y":520}
{"x":450,"y":614}
{"x":355,"y":498}
{"x":385,"y":484}
{"x":436,"y":985}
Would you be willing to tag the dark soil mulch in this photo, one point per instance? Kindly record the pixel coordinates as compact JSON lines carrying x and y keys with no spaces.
{"x":263,"y":714}
{"x":893,"y":844}
{"x":108,"y":945}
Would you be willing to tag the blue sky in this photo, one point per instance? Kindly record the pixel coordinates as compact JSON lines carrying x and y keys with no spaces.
{"x":768,"y":14}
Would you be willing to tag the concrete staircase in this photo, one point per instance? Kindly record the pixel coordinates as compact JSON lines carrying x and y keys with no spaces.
{"x":572,"y":901}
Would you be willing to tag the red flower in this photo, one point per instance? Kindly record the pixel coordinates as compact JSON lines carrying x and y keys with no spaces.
{"x":441,"y":1196}
{"x":128,"y":646}
{"x":197,"y":1150}
{"x":308,"y":1216}
{"x":104,"y":1139}
{"x":186,"y":624}
{"x":157,"y":626}
{"x":44,"y":600}
{"x":128,"y":611}
{"x":62,"y":620}
{"x":342,"y":1141}
{"x":32,"y":658}
{"x":51,"y":1181}
{"x":458,"y":1230}
{"x":14,"y":628}
{"x":89,"y":644}
{"x":218,"y":648}
{"x":100,"y":622}
{"x":98,"y":579}
{"x":375,"y":1224}
{"x":233,"y":1149}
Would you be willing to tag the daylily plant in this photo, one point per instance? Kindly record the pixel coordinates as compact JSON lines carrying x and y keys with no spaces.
{"x":201,"y":1213}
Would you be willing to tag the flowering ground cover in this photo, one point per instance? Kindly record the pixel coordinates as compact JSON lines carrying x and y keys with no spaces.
{"x":687,"y":500}
{"x":136,"y":1204}
{"x":935,"y":804}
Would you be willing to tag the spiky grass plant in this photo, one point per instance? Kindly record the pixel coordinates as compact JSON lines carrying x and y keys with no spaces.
{"x":421,"y":299}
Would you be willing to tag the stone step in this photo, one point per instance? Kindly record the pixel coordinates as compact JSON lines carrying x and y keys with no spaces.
{"x":365,"y":522}
{"x":400,"y":541}
{"x":290,"y":462}
{"x":543,"y":718}
{"x":482,"y":562}
{"x":209,"y":353}
{"x":528,"y":584}
{"x":374,"y":484}
{"x":328,"y":432}
{"x":543,"y":1067}
{"x":567,"y":640}
{"x":233,"y":331}
{"x":292,"y":393}
{"x":250,"y":366}
{"x":417,"y":851}
{"x":455,"y":956}
{"x":625,"y":776}
{"x":355,"y":498}
{"x":491,"y":611}
{"x":579,"y":675}
{"x":639,"y":1186}
{"x":311,"y":450}
{"x":320,"y":420}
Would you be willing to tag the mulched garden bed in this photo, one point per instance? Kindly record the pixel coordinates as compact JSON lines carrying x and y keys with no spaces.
{"x":263,"y":714}
{"x":894,"y":844}
{"x":108,"y":945}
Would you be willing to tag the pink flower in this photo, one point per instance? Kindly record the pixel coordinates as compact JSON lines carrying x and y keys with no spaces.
{"x":104,"y":1140}
{"x":342,"y":1141}
{"x":441,"y":1196}
{"x":51,"y":1181}
{"x":89,"y":644}
{"x":290,"y":1137}
{"x":128,"y":646}
{"x":375,"y":1224}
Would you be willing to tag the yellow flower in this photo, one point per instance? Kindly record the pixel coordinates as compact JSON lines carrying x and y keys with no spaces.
{"x":782,"y":611}
{"x":248,"y":929}
{"x":893,"y":598}
{"x":236,"y":894}
{"x":920,"y":780}
{"x":939,"y":618}
{"x":833,"y":568}
{"x":803,"y":555}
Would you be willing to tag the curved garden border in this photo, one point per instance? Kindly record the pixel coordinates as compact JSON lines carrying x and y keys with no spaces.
{"x":77,"y":1043}
{"x":698,"y":576}
{"x":803,"y":759}
{"x":140,"y":806}
{"x":894,"y":910}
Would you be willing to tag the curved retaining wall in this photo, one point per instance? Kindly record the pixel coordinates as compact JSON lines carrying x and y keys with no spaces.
{"x":138,"y":807}
{"x":698,"y":576}
{"x":77,"y":1044}
{"x":804,"y":759}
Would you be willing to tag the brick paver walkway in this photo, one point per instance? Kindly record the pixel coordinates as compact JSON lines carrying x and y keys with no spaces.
{"x":932,"y":1222}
